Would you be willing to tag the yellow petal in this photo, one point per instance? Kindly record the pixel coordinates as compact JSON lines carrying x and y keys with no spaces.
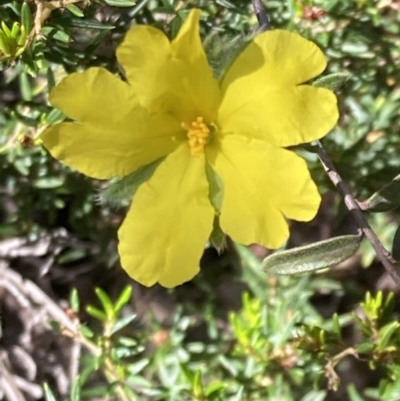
{"x":262,"y":184}
{"x":201,"y":85}
{"x":115,"y":136}
{"x":262,"y":95}
{"x":163,"y":236}
{"x":94,"y":95}
{"x":172,"y":77}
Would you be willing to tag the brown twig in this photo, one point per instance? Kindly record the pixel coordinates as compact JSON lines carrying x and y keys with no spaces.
{"x":26,"y":291}
{"x":7,"y":383}
{"x":261,"y":15}
{"x":352,"y":205}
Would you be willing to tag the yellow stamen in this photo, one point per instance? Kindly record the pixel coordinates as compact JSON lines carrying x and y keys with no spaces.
{"x":197,"y":133}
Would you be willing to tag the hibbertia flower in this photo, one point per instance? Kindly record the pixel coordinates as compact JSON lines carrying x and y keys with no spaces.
{"x":172,"y":107}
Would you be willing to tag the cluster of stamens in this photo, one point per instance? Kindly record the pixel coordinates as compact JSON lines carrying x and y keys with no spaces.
{"x":197,"y":133}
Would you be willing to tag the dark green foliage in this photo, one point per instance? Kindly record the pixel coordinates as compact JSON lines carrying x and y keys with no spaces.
{"x":285,"y":339}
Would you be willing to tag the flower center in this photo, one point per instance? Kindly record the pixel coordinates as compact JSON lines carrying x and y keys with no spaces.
{"x":198,"y":134}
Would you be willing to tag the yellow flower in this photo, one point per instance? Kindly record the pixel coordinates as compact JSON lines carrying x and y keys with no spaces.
{"x":173,"y":107}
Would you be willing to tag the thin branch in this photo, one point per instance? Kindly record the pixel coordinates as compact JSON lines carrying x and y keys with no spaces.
{"x":8,"y":383}
{"x":261,"y":15}
{"x":352,"y":205}
{"x":26,"y":290}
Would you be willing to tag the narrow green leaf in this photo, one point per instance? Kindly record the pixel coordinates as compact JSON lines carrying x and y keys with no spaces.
{"x":15,"y":30}
{"x":25,"y":86}
{"x":216,"y":387}
{"x":239,"y":395}
{"x":386,"y":333}
{"x":121,"y":3}
{"x":123,"y":189}
{"x":76,"y":389}
{"x":48,"y":394}
{"x":19,"y":51}
{"x":26,"y":17}
{"x":187,"y":373}
{"x":123,"y":299}
{"x":5,"y":29}
{"x":332,"y":81}
{"x":319,"y":255}
{"x":86,"y":332}
{"x":387,"y":198}
{"x":55,"y":116}
{"x":48,"y":182}
{"x":96,"y":313}
{"x":85,"y":23}
{"x":198,"y":385}
{"x":216,"y":188}
{"x":396,"y":244}
{"x":217,"y":237}
{"x":106,"y":302}
{"x":336,"y":324}
{"x":365,"y":347}
{"x":21,"y":40}
{"x":5,"y":46}
{"x":57,"y":34}
{"x":74,"y":300}
{"x":72,"y":8}
{"x":228,"y":5}
{"x":353,"y":394}
{"x":135,"y":368}
{"x":123,"y":323}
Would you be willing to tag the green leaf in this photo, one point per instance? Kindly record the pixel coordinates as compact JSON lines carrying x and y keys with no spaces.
{"x":86,"y":332}
{"x":387,"y":198}
{"x":5,"y":29}
{"x":48,"y":182}
{"x":332,"y":81}
{"x":187,"y":373}
{"x":217,"y":237}
{"x":228,"y":5}
{"x":76,"y":389}
{"x":106,"y":302}
{"x":336,"y":324}
{"x":198,"y":385}
{"x":239,"y":395}
{"x":123,"y":299}
{"x":136,"y":368}
{"x":5,"y":46}
{"x":396,"y":244}
{"x":121,"y":3}
{"x":319,"y":255}
{"x":84,"y":23}
{"x":124,"y":188}
{"x":57,"y":34}
{"x":25,"y":85}
{"x":385,"y":335}
{"x":48,"y":394}
{"x":123,"y":323}
{"x":55,"y":116}
{"x":216,"y":387}
{"x":365,"y":347}
{"x":74,"y":300}
{"x":96,"y":313}
{"x":372,"y":305}
{"x":15,"y":30}
{"x":71,"y":255}
{"x":216,"y":188}
{"x":353,"y":393}
{"x":26,"y":18}
{"x":72,"y":8}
